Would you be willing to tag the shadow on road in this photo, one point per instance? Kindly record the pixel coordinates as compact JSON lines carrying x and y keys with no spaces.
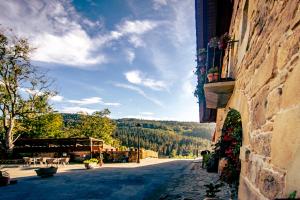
{"x":132,"y":182}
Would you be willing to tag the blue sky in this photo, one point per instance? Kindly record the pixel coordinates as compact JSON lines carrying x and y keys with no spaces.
{"x":135,"y":57}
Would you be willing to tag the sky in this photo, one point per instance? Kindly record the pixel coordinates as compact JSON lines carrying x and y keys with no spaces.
{"x":134,"y":57}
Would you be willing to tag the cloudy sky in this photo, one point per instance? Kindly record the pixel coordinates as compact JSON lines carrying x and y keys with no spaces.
{"x":131,"y":56}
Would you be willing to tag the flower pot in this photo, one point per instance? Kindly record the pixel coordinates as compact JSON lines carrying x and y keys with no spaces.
{"x":46,"y":172}
{"x":91,"y":165}
{"x":216,"y":77}
{"x":210,"y":77}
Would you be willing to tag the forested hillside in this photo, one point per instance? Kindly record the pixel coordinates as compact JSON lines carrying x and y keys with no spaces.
{"x":169,"y":138}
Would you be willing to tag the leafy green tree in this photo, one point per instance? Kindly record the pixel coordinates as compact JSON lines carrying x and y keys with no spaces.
{"x":48,"y":125}
{"x":24,"y":91}
{"x":97,"y":125}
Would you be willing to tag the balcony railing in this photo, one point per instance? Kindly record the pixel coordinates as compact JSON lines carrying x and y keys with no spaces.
{"x":218,"y":88}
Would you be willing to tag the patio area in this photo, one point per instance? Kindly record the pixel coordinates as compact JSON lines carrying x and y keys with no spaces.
{"x":112,"y":181}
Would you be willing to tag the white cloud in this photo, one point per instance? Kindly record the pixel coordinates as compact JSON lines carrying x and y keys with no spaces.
{"x":92,"y":100}
{"x":84,"y":101}
{"x":188,"y":85}
{"x":139,"y":91}
{"x":181,"y":26}
{"x":55,"y":28}
{"x":111,"y":104}
{"x":87,"y":101}
{"x":59,"y":32}
{"x":157,"y":4}
{"x":77,"y":109}
{"x":72,"y":48}
{"x":136,"y":41}
{"x":31,"y":92}
{"x":134,"y":30}
{"x":57,"y":98}
{"x":137,"y":27}
{"x":130,"y":55}
{"x":136,"y":77}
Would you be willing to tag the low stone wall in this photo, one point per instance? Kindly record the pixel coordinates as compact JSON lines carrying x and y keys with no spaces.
{"x":128,"y":156}
{"x":148,"y":154}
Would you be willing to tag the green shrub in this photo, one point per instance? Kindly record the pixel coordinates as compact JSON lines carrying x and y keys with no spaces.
{"x":92,"y":160}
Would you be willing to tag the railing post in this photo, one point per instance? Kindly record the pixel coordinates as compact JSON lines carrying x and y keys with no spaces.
{"x":206,"y":64}
{"x":220,"y":65}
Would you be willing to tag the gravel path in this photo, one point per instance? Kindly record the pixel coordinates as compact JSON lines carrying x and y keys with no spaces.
{"x":190,"y":185}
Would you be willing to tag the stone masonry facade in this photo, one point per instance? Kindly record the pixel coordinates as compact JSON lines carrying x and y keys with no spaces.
{"x":266,"y":66}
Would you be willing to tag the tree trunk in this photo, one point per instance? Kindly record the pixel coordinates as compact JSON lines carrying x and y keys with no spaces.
{"x":9,"y":136}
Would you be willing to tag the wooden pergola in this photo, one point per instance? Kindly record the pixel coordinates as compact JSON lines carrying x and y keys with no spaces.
{"x":58,"y":145}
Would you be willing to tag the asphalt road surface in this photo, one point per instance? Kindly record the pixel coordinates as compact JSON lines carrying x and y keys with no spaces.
{"x":108,"y":183}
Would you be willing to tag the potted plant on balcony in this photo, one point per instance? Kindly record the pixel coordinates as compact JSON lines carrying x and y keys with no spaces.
{"x":216,"y":74}
{"x":210,"y":74}
{"x":91,"y":163}
{"x":224,"y":39}
{"x":213,"y":43}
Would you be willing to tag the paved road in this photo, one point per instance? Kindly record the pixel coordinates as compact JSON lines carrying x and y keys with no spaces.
{"x":109,"y":183}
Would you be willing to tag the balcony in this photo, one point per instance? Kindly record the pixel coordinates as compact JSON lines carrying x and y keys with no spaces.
{"x":218,"y":86}
{"x":217,"y":94}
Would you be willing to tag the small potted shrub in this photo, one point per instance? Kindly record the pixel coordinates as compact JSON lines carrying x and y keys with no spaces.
{"x":4,"y":178}
{"x":216,"y":74}
{"x":91,"y":163}
{"x":210,"y":74}
{"x":45,"y":172}
{"x":212,"y":190}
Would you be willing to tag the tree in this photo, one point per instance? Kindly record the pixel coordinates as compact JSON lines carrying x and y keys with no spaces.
{"x":97,"y":125}
{"x":24,"y":91}
{"x":49,"y":125}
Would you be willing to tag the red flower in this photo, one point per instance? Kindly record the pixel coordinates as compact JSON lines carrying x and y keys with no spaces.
{"x":229,"y":130}
{"x":229,"y":152}
{"x":202,"y":70}
{"x":227,"y":138}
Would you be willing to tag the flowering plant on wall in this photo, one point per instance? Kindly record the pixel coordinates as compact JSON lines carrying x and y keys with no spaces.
{"x":228,"y":147}
{"x":232,"y":141}
{"x":201,"y":55}
{"x":200,"y":72}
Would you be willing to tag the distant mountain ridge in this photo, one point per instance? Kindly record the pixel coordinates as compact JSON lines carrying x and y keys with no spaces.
{"x":169,"y":138}
{"x":194,"y":129}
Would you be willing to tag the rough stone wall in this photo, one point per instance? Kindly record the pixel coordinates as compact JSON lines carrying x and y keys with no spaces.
{"x":266,"y":65}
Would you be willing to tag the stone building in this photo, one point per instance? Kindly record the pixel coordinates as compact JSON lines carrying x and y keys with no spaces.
{"x":263,"y":66}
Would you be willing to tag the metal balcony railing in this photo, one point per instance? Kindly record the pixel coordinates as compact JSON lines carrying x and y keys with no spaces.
{"x":214,"y":62}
